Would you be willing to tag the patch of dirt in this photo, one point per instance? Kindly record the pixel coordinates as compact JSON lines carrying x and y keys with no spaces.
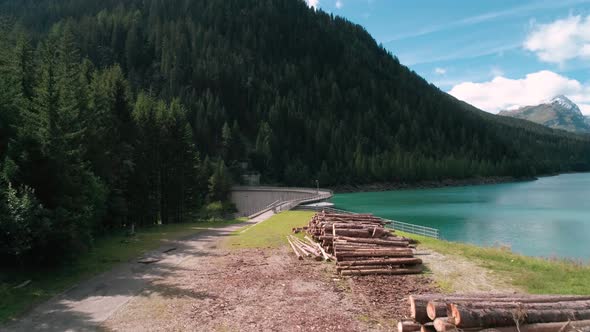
{"x":457,"y":274}
{"x":266,"y":290}
{"x":386,"y":297}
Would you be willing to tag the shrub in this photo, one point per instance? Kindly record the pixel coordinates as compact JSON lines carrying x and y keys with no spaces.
{"x":24,"y":226}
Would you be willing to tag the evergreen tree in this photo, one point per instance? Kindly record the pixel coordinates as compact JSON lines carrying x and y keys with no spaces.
{"x":219,"y":183}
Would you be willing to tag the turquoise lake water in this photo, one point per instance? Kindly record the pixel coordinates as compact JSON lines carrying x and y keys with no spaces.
{"x":549,"y":217}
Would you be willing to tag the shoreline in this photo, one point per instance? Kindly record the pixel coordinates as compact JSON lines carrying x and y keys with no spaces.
{"x":394,"y":186}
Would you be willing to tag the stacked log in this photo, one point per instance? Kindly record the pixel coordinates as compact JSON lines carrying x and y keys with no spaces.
{"x":501,"y":312}
{"x":307,"y":249}
{"x":362,"y":245}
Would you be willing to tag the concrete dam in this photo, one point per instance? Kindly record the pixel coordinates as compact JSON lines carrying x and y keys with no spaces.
{"x":253,"y":200}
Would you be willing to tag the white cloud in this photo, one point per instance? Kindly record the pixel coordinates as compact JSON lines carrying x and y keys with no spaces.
{"x":504,"y":93}
{"x":338,"y":4}
{"x":561,"y":40}
{"x":440,"y":71}
{"x":313,"y":3}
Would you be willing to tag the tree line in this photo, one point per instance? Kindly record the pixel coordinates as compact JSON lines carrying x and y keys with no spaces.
{"x":83,"y":155}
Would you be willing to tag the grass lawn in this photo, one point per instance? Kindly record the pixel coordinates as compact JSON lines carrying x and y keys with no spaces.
{"x":270,"y":233}
{"x":106,"y":252}
{"x":535,"y":275}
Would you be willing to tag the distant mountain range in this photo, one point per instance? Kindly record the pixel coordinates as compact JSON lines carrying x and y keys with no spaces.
{"x":558,"y":113}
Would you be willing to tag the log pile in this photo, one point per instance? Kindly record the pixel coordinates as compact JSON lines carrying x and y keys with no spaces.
{"x":360,"y":244}
{"x":308,"y":248}
{"x":500,"y":312}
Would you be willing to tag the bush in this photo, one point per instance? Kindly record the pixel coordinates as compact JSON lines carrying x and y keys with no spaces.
{"x":214,"y":210}
{"x":32,"y":234}
{"x":24,"y":226}
{"x":219,"y":210}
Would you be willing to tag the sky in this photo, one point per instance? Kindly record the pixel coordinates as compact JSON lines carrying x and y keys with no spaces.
{"x":494,"y":55}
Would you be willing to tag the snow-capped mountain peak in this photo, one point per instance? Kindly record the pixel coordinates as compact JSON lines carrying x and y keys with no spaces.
{"x":558,"y":112}
{"x":564,"y":102}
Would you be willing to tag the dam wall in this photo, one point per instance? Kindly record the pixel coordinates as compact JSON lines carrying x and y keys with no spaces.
{"x":250,"y":200}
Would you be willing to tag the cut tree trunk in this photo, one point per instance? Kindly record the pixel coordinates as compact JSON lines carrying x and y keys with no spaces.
{"x":355,"y":244}
{"x":294,"y":250}
{"x":311,"y":250}
{"x":571,"y":326}
{"x":373,"y":253}
{"x":442,"y":301}
{"x":384,"y":261}
{"x":443,"y":324}
{"x":380,"y":249}
{"x":381,"y":271}
{"x":361,"y":233}
{"x":351,"y":232}
{"x":466,"y":317}
{"x":366,"y":267}
{"x":577,"y":305}
{"x":408,"y":326}
{"x":360,"y":258}
{"x":306,"y":246}
{"x":389,"y":242}
{"x":324,"y":253}
{"x":436,"y":309}
{"x":499,"y":297}
{"x":366,"y":246}
{"x":428,"y":327}
{"x":352,"y":225}
{"x":302,"y":249}
{"x":418,"y":309}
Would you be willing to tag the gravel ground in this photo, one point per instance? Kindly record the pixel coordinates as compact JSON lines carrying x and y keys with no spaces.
{"x":458,"y":274}
{"x":266,"y":290}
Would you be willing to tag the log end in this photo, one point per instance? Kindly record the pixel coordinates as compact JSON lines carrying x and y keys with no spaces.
{"x":431,"y":310}
{"x":412,"y":306}
{"x":428,"y":327}
{"x":455,"y":315}
{"x":444,"y":324}
{"x":408,"y":326}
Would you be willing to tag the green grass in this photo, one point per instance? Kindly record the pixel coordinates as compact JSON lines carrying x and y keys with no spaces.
{"x":271,"y":233}
{"x":107,"y":252}
{"x":534,"y":275}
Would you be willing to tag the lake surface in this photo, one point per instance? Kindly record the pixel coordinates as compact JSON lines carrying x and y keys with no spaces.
{"x":548,"y":217}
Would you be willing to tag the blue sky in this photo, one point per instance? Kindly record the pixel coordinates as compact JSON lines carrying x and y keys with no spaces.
{"x":494,"y":54}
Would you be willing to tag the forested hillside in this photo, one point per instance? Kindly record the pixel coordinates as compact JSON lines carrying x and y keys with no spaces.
{"x":137,"y":111}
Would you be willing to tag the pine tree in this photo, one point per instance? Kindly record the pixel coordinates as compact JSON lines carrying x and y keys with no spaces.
{"x":219,"y":183}
{"x":227,"y":142}
{"x":109,"y":139}
{"x":12,"y":101}
{"x":145,"y":182}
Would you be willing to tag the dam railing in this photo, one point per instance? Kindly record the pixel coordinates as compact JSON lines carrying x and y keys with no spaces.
{"x":396,"y":225}
{"x":253,"y":201}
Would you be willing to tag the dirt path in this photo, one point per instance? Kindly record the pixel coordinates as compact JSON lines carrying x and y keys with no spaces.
{"x":265,"y":290}
{"x":85,"y":306}
{"x":457,"y":274}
